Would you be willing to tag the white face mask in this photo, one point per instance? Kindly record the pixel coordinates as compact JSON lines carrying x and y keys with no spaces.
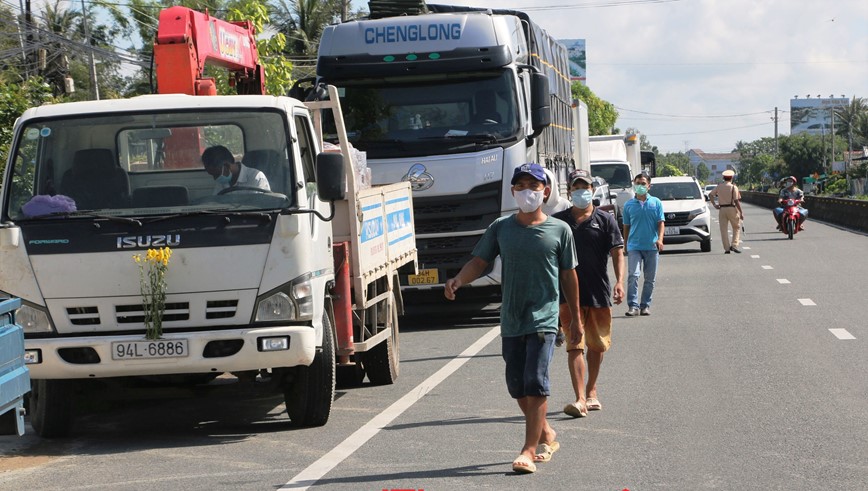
{"x":528,"y":200}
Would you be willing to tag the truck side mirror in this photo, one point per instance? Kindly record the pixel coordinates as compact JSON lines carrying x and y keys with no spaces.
{"x":331,"y":180}
{"x":540,"y":103}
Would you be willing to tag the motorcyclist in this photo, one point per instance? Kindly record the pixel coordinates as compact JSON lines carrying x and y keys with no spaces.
{"x":790,"y":191}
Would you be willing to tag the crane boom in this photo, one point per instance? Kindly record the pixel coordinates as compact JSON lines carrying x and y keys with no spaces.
{"x":188,"y":40}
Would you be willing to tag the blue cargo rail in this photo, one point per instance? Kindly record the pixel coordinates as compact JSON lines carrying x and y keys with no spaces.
{"x":14,"y":376}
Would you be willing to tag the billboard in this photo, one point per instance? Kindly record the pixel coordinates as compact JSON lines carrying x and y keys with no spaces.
{"x":576,"y":53}
{"x":814,"y":116}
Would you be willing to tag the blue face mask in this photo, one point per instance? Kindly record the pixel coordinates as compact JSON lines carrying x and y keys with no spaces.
{"x":224,"y":180}
{"x":581,"y":198}
{"x":640,"y":189}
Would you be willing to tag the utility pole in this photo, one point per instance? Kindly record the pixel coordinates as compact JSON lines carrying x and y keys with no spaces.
{"x":93,"y":82}
{"x":832,"y":113}
{"x":776,"y":131}
{"x":345,"y":10}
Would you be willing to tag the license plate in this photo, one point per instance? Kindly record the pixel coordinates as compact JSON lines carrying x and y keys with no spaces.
{"x":425,"y":277}
{"x":672,"y":231}
{"x":143,"y":350}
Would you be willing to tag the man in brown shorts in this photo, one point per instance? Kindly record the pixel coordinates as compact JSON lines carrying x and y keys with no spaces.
{"x":597,"y":236}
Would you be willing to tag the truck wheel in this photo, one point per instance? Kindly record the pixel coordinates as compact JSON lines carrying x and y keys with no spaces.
{"x":382,"y":362}
{"x":310,"y":395}
{"x":350,"y":376}
{"x":705,"y":246}
{"x":51,"y":407}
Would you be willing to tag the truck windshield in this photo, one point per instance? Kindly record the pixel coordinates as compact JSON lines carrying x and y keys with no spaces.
{"x":450,"y":114}
{"x":617,"y":174}
{"x":140,"y":164}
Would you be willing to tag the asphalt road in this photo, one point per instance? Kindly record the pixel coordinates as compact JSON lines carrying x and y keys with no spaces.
{"x":750,"y":374}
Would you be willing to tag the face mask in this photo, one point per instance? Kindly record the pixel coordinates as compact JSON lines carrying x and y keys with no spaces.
{"x":789,"y":183}
{"x":640,"y":189}
{"x":581,"y":198}
{"x":224,"y":180}
{"x":529,"y":200}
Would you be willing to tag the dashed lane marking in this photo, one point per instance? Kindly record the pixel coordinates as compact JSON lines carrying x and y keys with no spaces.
{"x":754,"y":256}
{"x":783,"y":281}
{"x":807,"y":302}
{"x":767,"y":267}
{"x":842,"y":334}
{"x":746,"y":248}
{"x":315,"y":471}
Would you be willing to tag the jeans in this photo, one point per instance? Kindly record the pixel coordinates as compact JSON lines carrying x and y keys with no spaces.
{"x":637,"y":263}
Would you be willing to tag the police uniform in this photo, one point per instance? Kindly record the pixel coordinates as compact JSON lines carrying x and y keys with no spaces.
{"x":727,"y":195}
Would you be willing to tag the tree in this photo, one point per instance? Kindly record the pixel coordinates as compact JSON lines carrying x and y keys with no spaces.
{"x":15,"y":98}
{"x":677,"y":161}
{"x":277,"y":68}
{"x":702,"y":172}
{"x":302,"y":22}
{"x":601,"y":114}
{"x":847,"y":119}
{"x":802,"y":154}
{"x":668,"y":170}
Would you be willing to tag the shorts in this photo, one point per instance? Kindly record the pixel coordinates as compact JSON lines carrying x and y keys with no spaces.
{"x":598,"y":329}
{"x":527,"y":364}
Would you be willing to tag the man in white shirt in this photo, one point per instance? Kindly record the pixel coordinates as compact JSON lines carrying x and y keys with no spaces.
{"x":222,"y":166}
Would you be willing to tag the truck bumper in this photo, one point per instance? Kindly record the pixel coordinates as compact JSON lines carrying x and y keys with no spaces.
{"x":207,"y":352}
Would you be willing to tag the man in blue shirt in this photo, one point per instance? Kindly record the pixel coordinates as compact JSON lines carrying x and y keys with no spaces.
{"x":643,"y":234}
{"x":538,"y":254}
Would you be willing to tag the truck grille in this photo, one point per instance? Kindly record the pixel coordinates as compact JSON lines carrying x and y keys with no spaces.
{"x":134,"y":314}
{"x":677,"y":219}
{"x":443,"y":214}
{"x":472,"y":212}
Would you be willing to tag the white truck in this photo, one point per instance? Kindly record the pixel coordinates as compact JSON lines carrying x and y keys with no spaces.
{"x":452,"y":101}
{"x":270,"y":285}
{"x":616,"y":159}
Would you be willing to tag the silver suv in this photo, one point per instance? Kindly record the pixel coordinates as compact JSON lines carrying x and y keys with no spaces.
{"x":684,"y":210}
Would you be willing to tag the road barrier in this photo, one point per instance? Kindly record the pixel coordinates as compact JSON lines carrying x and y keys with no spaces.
{"x":850,"y":213}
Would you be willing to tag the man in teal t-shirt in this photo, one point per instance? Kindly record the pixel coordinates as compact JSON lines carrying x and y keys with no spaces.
{"x":643,"y":234}
{"x":538,"y":255}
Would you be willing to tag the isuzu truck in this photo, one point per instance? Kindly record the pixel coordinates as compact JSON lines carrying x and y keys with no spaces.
{"x":452,"y":101}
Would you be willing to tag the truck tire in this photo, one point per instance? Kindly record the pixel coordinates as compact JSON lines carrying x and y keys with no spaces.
{"x":382,"y":362}
{"x":51,"y":407}
{"x":310,"y":395}
{"x":705,"y":246}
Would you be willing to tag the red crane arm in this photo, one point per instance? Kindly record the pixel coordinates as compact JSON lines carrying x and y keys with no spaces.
{"x":188,"y":40}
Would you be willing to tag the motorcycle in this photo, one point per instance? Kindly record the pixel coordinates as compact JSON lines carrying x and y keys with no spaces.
{"x":790,"y":218}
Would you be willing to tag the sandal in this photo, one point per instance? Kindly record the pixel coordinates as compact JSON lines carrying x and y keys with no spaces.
{"x":523,"y":465}
{"x":545,"y":451}
{"x":576,"y":410}
{"x":594,"y":404}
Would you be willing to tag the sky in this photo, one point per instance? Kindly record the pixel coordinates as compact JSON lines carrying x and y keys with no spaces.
{"x":705,"y":74}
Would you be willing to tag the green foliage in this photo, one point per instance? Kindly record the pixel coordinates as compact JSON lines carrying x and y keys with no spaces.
{"x":278,"y":69}
{"x":677,"y":160}
{"x":702,"y":172}
{"x":669,"y":170}
{"x":601,"y":114}
{"x":837,"y":184}
{"x":15,"y":98}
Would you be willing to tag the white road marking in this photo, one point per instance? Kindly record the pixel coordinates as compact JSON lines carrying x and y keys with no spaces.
{"x":314,"y":472}
{"x":783,"y":281}
{"x":807,"y":302}
{"x":768,"y":267}
{"x":754,"y":256}
{"x":842,"y":334}
{"x":746,"y":248}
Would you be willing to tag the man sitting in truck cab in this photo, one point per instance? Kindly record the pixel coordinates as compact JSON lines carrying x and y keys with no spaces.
{"x":222,"y":166}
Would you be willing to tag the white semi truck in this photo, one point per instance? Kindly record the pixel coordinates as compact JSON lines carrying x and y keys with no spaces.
{"x":452,"y":101}
{"x":617,"y":160}
{"x":271,"y":285}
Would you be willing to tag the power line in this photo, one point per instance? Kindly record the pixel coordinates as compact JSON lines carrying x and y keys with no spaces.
{"x":710,"y":131}
{"x":694,"y":116}
{"x":620,"y":3}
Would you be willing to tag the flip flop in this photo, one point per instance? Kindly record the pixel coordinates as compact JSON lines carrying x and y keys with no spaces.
{"x":523,"y":465}
{"x":594,"y":405}
{"x":545,"y":451}
{"x":575,"y":410}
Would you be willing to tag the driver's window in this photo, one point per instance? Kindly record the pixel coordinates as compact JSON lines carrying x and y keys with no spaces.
{"x":306,"y":147}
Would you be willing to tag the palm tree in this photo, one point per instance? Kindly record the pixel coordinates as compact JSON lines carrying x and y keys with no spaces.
{"x":849,"y":119}
{"x":302,"y":21}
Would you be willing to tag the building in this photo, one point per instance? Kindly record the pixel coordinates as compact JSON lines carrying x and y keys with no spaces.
{"x":716,"y":163}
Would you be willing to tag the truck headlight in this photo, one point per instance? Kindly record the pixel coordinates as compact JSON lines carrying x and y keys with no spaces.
{"x":32,"y":319}
{"x":291,"y":302}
